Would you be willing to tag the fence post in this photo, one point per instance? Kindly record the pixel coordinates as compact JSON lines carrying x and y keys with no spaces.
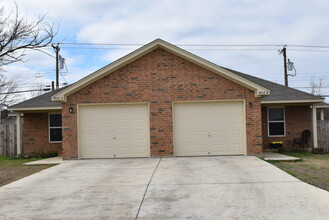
{"x":1,"y":140}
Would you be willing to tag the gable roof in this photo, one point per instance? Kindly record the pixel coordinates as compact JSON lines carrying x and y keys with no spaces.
{"x":158,"y":43}
{"x":41,"y":102}
{"x":275,"y":93}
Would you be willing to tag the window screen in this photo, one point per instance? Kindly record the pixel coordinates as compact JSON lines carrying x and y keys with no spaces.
{"x":55,"y":127}
{"x":276,"y":122}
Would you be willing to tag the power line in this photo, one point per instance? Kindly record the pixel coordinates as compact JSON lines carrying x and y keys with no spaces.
{"x":118,"y":48}
{"x":197,"y":45}
{"x":199,"y":49}
{"x":201,"y":45}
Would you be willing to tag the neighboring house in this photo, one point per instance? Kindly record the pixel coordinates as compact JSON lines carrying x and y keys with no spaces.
{"x":161,"y":100}
{"x":322,"y":111}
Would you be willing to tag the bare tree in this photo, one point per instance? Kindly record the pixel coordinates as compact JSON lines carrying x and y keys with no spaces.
{"x":38,"y":90}
{"x":18,"y":35}
{"x":7,"y":88}
{"x":318,"y":87}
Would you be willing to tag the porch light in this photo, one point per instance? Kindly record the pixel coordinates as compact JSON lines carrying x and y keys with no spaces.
{"x":71,"y":110}
{"x":251,"y":105}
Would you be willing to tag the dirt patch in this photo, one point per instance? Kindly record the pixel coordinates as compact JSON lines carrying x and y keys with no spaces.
{"x":313,"y":169}
{"x":13,"y":169}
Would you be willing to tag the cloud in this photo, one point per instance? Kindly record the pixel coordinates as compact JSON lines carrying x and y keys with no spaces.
{"x":188,"y":22}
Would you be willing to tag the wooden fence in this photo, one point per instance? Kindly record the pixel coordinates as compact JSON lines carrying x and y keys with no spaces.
{"x":323,"y":134}
{"x":8,"y":140}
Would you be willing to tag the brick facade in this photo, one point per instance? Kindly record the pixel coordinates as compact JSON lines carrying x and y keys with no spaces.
{"x":297,"y":119}
{"x":160,"y":78}
{"x":36,"y":134}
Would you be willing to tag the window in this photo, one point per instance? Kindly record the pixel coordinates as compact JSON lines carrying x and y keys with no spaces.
{"x":55,"y":127}
{"x":276,"y":123}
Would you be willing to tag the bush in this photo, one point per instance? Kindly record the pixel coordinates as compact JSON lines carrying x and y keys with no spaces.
{"x":318,"y":150}
{"x":52,"y":154}
{"x":40,"y":154}
{"x":294,"y":150}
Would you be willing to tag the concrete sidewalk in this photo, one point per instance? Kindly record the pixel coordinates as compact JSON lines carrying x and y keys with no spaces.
{"x":47,"y":161}
{"x":278,"y":157}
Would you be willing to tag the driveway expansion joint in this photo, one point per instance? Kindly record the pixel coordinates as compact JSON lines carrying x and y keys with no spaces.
{"x":140,"y":206}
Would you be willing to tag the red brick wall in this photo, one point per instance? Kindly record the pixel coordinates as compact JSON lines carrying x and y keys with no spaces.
{"x":36,"y":135}
{"x":298,"y":118}
{"x":160,"y":78}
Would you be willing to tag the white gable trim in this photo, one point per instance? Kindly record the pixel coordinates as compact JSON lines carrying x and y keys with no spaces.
{"x":62,"y":95}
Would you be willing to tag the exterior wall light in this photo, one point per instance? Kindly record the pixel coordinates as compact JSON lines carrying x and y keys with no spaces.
{"x":251,"y":105}
{"x":71,"y":110}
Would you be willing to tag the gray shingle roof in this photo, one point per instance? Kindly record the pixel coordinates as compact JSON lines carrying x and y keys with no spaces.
{"x":278,"y":93}
{"x":322,"y":105}
{"x":39,"y":101}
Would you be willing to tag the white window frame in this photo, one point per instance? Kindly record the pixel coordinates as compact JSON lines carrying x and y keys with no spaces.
{"x":284,"y":121}
{"x":53,"y":127}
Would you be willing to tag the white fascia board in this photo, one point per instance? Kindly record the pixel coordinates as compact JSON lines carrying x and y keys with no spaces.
{"x":61,"y":96}
{"x":36,"y":108}
{"x":292,"y":101}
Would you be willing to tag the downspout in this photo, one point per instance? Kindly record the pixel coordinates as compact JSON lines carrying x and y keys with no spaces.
{"x":315,"y":127}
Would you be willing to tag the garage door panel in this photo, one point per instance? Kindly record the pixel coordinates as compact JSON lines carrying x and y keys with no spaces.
{"x":107,"y":131}
{"x":98,"y":152}
{"x":205,"y":128}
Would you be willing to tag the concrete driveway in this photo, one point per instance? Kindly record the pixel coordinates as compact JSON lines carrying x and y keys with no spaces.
{"x":168,"y":188}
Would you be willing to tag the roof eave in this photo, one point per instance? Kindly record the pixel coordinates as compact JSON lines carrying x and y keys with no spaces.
{"x":292,"y":101}
{"x":44,"y":108}
{"x":62,"y":95}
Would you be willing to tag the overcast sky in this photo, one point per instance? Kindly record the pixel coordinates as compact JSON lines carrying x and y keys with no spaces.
{"x":278,"y":22}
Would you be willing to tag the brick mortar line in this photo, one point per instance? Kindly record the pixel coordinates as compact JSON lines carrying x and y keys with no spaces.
{"x":140,"y":206}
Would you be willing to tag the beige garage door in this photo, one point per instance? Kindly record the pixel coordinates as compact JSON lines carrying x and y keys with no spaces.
{"x":209,"y":128}
{"x":111,"y":131}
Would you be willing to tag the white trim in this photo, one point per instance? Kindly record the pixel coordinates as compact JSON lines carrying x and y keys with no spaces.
{"x":36,"y":108}
{"x":53,"y":127}
{"x":18,"y":134}
{"x":321,"y":107}
{"x":321,"y":114}
{"x":107,"y":104}
{"x":292,"y":101}
{"x":284,"y":121}
{"x":314,"y":127}
{"x":244,"y":127}
{"x":62,"y":95}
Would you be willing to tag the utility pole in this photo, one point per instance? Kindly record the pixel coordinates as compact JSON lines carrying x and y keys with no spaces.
{"x":284,"y":53}
{"x":57,"y":49}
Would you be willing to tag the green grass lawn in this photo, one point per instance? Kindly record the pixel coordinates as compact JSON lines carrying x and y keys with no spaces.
{"x":12,"y":169}
{"x":312,"y":169}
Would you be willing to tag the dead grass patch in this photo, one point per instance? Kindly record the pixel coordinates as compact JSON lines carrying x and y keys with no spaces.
{"x":14,"y":169}
{"x":313,"y":169}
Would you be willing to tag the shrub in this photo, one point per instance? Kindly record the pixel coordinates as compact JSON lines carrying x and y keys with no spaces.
{"x":40,"y":154}
{"x":318,"y":150}
{"x":52,"y":154}
{"x":294,"y":150}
